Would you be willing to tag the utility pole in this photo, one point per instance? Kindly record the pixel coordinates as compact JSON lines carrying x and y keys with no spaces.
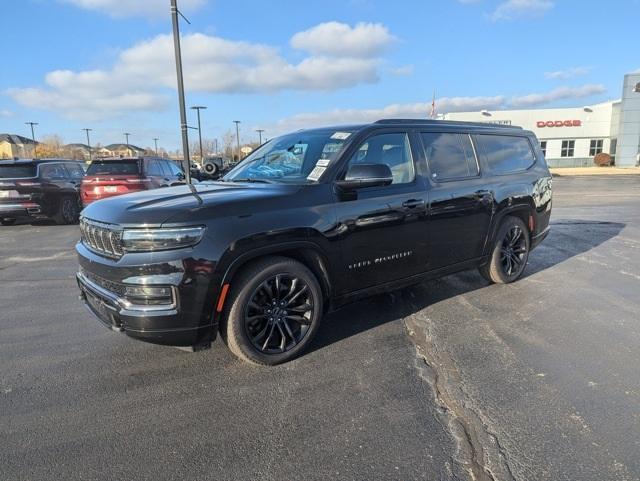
{"x":155,"y":139}
{"x":238,"y":122}
{"x":198,"y":108}
{"x":33,"y":137}
{"x":183,"y":111}
{"x":88,"y":142}
{"x":126,"y":136}
{"x":260,"y":134}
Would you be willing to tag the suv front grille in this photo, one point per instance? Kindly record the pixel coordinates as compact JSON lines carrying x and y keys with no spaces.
{"x":101,"y":238}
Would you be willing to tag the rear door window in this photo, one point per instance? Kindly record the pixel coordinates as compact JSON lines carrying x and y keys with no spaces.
{"x":505,"y":153}
{"x":17,"y":171}
{"x":449,"y":155}
{"x":114,"y":167}
{"x":53,"y":171}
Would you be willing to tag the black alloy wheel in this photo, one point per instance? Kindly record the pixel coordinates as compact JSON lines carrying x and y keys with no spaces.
{"x":278,"y":314}
{"x":513,"y":253}
{"x":273,"y":311}
{"x":510,"y":252}
{"x":68,"y":211}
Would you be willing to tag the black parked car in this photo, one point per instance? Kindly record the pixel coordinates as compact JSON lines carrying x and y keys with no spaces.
{"x":311,"y":221}
{"x":45,"y":188}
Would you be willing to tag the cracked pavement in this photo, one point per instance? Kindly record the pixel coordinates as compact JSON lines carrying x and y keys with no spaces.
{"x":451,"y":379}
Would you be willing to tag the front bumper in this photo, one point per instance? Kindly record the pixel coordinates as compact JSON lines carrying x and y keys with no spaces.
{"x":188,"y":321}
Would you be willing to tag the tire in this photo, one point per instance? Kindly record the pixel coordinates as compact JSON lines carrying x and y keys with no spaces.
{"x":7,"y":221}
{"x":260,"y":331}
{"x":68,"y":211}
{"x":509,"y":254}
{"x":211,"y":169}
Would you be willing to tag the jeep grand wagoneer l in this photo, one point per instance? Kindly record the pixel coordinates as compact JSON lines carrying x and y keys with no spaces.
{"x":309,"y":221}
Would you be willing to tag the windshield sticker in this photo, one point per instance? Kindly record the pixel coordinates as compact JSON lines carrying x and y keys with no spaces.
{"x":341,"y":135}
{"x":323,"y":162}
{"x":316,"y":173}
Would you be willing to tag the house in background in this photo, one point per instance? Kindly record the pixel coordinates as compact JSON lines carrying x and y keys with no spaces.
{"x":78,"y":151}
{"x":120,"y":150}
{"x":12,"y":146}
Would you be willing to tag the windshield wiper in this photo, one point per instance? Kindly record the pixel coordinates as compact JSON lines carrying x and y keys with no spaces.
{"x":251,"y":180}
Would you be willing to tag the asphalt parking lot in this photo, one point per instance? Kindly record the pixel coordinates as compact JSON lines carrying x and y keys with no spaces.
{"x":451,"y":379}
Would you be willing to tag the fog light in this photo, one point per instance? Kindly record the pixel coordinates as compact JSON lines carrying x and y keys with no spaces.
{"x":149,"y":295}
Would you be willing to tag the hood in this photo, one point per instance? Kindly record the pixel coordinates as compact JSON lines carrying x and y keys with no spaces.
{"x":185,"y":203}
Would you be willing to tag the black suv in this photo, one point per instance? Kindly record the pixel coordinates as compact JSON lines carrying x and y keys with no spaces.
{"x":311,"y":221}
{"x":46,"y":188}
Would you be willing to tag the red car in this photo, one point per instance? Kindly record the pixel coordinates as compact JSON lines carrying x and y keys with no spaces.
{"x":117,"y":176}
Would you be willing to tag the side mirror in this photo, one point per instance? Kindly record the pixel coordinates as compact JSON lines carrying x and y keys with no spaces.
{"x":360,"y":176}
{"x":181,"y":176}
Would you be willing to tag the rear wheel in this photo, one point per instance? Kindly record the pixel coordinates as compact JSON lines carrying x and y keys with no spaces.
{"x":275,"y":308}
{"x":211,"y":169}
{"x":68,"y":211}
{"x":510,"y":252}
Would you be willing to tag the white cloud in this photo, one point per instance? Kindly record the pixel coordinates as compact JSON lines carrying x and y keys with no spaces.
{"x":568,"y":73}
{"x":422,"y":109}
{"x":6,"y":113}
{"x":561,"y":93}
{"x":515,"y":9}
{"x":403,"y":70}
{"x":130,"y":8}
{"x":337,"y":39}
{"x":211,"y":64}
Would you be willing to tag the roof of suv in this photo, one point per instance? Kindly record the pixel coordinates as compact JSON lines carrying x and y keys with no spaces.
{"x":411,"y":123}
{"x":37,"y":161}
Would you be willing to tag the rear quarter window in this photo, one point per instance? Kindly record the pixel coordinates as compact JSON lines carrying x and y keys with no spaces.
{"x":504,"y":154}
{"x":17,"y":171}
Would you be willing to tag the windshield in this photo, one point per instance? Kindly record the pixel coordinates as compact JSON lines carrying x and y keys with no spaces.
{"x":17,"y":171}
{"x":296,"y":158}
{"x":118,"y":167}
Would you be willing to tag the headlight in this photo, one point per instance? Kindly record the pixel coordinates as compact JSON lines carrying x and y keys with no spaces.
{"x":141,"y":240}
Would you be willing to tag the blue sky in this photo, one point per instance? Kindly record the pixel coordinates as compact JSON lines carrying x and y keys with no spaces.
{"x":282,"y":65}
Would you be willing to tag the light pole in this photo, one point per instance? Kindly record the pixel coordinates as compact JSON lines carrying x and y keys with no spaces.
{"x":88,"y":142}
{"x":186,"y":166}
{"x":260,"y":134}
{"x":238,"y":122}
{"x":198,"y":108}
{"x":126,"y":136}
{"x":33,"y":137}
{"x":155,"y":139}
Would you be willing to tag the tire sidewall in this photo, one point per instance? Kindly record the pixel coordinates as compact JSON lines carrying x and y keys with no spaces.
{"x":496,"y":263}
{"x":236,"y":314}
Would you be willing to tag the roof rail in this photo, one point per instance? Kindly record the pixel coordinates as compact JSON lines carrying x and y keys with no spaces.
{"x":486,"y":125}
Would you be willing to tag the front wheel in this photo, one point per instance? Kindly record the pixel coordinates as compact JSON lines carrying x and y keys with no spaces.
{"x":510,"y":252}
{"x":275,"y":310}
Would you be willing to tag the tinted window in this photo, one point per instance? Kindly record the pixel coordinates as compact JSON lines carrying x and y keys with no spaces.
{"x":75,"y":171}
{"x":154,"y":168}
{"x":390,"y":149}
{"x":13,"y":171}
{"x":450,"y":156}
{"x":173,"y":168}
{"x":53,"y":171}
{"x":505,"y":153}
{"x":114,"y":167}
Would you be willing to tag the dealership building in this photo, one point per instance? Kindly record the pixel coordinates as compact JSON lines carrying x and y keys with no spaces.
{"x":571,"y":137}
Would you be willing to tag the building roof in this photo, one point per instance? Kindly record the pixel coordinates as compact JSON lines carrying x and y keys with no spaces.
{"x":15,"y":139}
{"x":123,"y":147}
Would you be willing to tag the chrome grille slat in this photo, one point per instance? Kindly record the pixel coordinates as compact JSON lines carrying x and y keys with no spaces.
{"x":103,"y":239}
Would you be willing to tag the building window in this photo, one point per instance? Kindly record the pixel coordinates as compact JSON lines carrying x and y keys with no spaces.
{"x":595,"y":147}
{"x":568,"y":147}
{"x":613,"y":147}
{"x":543,"y":147}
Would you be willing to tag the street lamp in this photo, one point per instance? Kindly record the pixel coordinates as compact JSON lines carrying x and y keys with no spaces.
{"x":238,"y":122}
{"x":198,"y":108}
{"x":155,"y":139}
{"x":260,"y":134}
{"x":33,"y":137}
{"x":88,"y":142}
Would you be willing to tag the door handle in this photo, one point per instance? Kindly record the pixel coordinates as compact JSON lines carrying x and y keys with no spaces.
{"x":413,"y":203}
